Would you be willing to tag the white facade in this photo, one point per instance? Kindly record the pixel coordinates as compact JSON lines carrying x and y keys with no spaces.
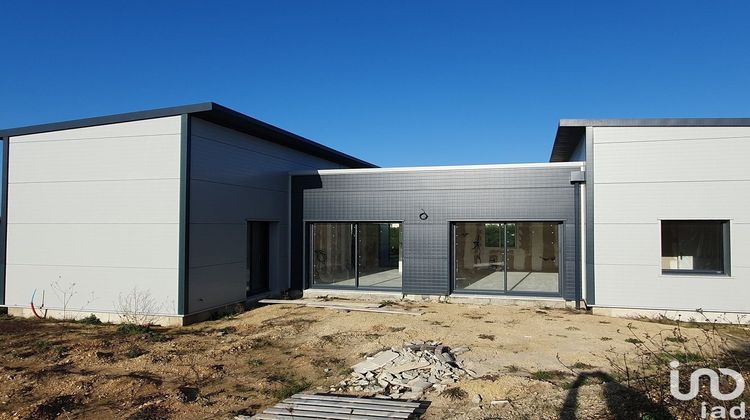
{"x":94,"y":211}
{"x":643,"y":175}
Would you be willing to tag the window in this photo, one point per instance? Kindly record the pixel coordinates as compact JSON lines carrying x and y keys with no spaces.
{"x":366,"y":255}
{"x":695,"y":246}
{"x":517,"y":257}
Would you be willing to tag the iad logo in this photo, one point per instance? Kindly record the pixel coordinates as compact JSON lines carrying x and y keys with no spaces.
{"x":737,"y":412}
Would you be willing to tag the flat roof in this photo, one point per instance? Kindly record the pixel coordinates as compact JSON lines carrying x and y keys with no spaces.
{"x":211,"y":112}
{"x":571,"y":131}
{"x":408,"y":169}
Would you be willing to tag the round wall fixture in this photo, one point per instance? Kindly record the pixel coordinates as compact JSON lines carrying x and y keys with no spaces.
{"x":423,"y":215}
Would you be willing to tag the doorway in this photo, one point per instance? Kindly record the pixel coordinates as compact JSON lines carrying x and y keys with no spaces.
{"x":257,"y":257}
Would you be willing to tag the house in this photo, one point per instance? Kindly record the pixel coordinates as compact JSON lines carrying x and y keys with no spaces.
{"x":198,"y":208}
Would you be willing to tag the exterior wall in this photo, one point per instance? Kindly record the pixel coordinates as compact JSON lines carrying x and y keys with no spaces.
{"x":235,"y":177}
{"x":645,"y":174}
{"x":540,"y":192}
{"x":96,"y":211}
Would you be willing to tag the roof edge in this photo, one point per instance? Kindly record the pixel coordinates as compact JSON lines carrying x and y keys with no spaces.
{"x":211,"y":112}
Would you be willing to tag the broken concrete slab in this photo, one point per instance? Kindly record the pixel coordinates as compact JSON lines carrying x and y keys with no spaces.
{"x":377,"y":362}
{"x":407,"y":366}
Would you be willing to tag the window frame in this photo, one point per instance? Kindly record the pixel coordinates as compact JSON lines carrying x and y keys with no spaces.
{"x":560,"y":252}
{"x":725,"y":249}
{"x":355,"y":223}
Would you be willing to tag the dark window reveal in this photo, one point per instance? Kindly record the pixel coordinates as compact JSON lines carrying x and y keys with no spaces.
{"x":694,"y":246}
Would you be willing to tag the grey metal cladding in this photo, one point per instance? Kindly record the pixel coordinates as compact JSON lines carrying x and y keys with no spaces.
{"x":235,"y":177}
{"x":502,"y":194}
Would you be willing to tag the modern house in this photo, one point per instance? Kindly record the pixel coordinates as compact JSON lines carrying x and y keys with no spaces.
{"x":200,"y":208}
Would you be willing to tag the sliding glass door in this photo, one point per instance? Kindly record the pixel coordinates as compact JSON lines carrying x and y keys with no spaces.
{"x":507,"y":257}
{"x":358,"y":255}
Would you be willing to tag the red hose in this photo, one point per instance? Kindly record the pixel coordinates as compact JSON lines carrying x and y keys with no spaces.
{"x":33,"y":309}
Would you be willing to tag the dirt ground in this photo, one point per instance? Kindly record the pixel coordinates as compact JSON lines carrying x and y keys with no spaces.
{"x":247,"y":362}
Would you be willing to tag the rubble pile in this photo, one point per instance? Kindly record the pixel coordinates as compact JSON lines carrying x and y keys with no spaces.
{"x":406,"y":372}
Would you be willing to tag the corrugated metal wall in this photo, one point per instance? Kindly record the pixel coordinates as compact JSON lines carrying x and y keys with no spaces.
{"x":235,"y":177}
{"x":534,"y":192}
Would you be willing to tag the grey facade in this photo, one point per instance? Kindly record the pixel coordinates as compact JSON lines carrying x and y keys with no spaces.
{"x":513,"y":193}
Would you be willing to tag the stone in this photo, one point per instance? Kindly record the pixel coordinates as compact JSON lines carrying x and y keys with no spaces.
{"x":378,"y":361}
{"x":419,"y":385}
{"x":499,"y":402}
{"x":476,"y":399}
{"x":411,"y":395}
{"x":408,"y":366}
{"x":459,"y":350}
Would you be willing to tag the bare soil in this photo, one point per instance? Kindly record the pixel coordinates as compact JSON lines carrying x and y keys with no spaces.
{"x":533,"y":363}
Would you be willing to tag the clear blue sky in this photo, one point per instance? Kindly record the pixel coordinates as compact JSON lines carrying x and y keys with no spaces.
{"x":396,"y":83}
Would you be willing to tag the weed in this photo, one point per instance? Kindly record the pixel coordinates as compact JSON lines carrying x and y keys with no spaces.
{"x":605,"y":339}
{"x":604,"y":322}
{"x":289,"y":386}
{"x":513,"y":368}
{"x":455,"y":394}
{"x":90,"y":320}
{"x":384,"y":303}
{"x":134,"y":352}
{"x":396,"y":329}
{"x":143,"y":330}
{"x":581,"y":365}
{"x":255,"y":362}
{"x":42,"y":346}
{"x":487,"y":337}
{"x":632,"y":340}
{"x":548,"y":375}
{"x":677,"y":339}
{"x":572,"y":328}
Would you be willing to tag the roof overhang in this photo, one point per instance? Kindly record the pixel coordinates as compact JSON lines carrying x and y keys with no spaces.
{"x":571,"y":131}
{"x":211,"y":112}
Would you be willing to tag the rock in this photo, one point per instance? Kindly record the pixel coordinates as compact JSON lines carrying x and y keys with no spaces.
{"x":476,"y":399}
{"x":408,"y":366}
{"x":378,"y":361}
{"x":499,"y":402}
{"x":459,"y":350}
{"x":411,"y":395}
{"x":419,"y":385}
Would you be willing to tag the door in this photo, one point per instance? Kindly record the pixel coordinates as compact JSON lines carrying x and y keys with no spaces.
{"x":257,"y":257}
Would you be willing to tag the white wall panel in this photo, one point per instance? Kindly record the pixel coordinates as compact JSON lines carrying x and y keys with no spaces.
{"x":96,"y":288}
{"x":113,"y":158}
{"x":680,"y":161}
{"x":643,"y":175}
{"x":647,"y":203}
{"x":94,"y":245}
{"x":97,"y":207}
{"x":151,"y":201}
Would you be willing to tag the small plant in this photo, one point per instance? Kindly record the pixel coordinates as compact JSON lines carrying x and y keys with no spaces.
{"x":581,"y":365}
{"x":676,"y":339}
{"x":455,"y":394}
{"x":289,"y":386}
{"x":385,"y":303}
{"x":137,"y":307}
{"x":90,"y":320}
{"x":42,"y":346}
{"x":632,"y":340}
{"x":572,"y":328}
{"x":134,"y":352}
{"x":143,"y":330}
{"x":548,"y":375}
{"x":606,"y":339}
{"x":487,"y":337}
{"x":255,"y":362}
{"x":513,"y":368}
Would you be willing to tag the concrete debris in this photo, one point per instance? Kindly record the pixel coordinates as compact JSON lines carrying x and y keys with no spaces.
{"x":407,"y":372}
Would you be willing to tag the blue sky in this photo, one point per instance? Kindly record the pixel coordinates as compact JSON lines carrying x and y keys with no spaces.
{"x":397,"y":83}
